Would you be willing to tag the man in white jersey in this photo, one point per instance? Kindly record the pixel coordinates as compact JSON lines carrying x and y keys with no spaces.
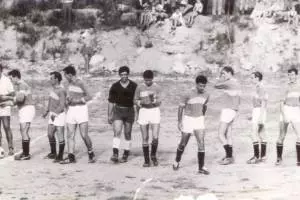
{"x":231,"y":102}
{"x":289,"y":114}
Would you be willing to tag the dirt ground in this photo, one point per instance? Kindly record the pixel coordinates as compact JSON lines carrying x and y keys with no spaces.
{"x":43,"y":180}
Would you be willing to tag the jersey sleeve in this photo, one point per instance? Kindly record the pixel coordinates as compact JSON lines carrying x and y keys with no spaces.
{"x":112,"y":94}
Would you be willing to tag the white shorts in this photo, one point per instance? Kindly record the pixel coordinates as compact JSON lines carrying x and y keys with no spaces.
{"x":59,"y":120}
{"x":190,"y":124}
{"x":77,"y":114}
{"x":258,"y":117}
{"x":149,"y":116}
{"x":5,"y":111}
{"x":227,"y":115}
{"x":26,"y":114}
{"x":290,"y":114}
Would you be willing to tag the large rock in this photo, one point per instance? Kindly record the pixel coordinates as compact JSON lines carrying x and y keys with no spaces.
{"x":96,"y":61}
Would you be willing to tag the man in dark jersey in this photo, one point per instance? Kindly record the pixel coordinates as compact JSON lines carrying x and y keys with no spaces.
{"x":191,"y":114}
{"x":56,"y":111}
{"x":121,"y":112}
{"x":77,"y":114}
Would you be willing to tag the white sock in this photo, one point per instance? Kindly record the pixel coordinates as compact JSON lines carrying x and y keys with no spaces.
{"x":116,"y":142}
{"x":127,"y":145}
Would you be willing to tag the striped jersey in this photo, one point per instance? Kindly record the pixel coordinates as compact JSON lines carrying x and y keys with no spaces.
{"x":76,"y":90}
{"x":145,"y":94}
{"x":57,"y":100}
{"x":24,"y":88}
{"x":292,"y":95}
{"x":232,"y":92}
{"x":259,"y":96}
{"x":193,"y":103}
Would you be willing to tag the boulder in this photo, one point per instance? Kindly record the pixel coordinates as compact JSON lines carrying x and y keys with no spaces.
{"x":96,"y":60}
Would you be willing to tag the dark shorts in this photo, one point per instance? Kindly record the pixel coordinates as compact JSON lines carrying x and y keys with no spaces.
{"x":126,"y":114}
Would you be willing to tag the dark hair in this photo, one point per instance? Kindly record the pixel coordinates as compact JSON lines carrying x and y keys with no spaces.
{"x":70,"y":69}
{"x":15,"y":73}
{"x":56,"y":75}
{"x":124,"y":69}
{"x":148,"y":74}
{"x":258,"y":75}
{"x":293,"y":69}
{"x":201,"y":79}
{"x":228,"y":69}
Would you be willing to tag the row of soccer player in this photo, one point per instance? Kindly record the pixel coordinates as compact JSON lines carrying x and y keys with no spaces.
{"x":125,"y":93}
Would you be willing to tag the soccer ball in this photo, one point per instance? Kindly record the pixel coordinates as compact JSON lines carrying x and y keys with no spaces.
{"x":20,"y":98}
{"x":2,"y":153}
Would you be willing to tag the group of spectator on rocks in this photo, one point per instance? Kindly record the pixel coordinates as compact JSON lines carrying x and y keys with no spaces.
{"x":184,"y":12}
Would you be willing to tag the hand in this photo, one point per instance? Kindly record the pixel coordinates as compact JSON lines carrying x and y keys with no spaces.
{"x":180,"y":127}
{"x":110,"y":119}
{"x":52,"y":117}
{"x":45,"y":114}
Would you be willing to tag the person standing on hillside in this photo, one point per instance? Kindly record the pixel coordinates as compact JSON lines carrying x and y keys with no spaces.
{"x":24,"y":101}
{"x":289,"y":114}
{"x":259,"y":115}
{"x":77,"y":114}
{"x":148,"y":99}
{"x":6,"y":89}
{"x":191,"y":114}
{"x":231,"y":101}
{"x":56,"y":111}
{"x":121,"y":112}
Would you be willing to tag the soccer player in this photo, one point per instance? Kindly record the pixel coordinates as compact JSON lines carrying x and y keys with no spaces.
{"x":6,"y":89}
{"x":191,"y":113}
{"x":147,"y":98}
{"x":290,"y":114}
{"x":77,"y":114}
{"x":259,"y":113}
{"x":25,"y":103}
{"x":231,"y":101}
{"x":121,"y":112}
{"x":56,"y":111}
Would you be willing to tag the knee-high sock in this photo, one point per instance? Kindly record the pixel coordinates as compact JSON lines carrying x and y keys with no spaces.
{"x":201,"y":156}
{"x":263,"y":149}
{"x":179,"y":152}
{"x":154,"y":146}
{"x":298,"y":152}
{"x":256,"y":149}
{"x":146,"y":153}
{"x":279,"y":148}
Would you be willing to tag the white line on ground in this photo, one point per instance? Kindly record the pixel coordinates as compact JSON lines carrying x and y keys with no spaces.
{"x":11,"y":158}
{"x":142,"y":186}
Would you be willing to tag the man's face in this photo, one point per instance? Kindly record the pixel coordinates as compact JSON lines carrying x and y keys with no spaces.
{"x":200,"y":87}
{"x":68,"y":77}
{"x":292,"y":77}
{"x":225,"y":75}
{"x":14,"y":80}
{"x":148,"y":81}
{"x":254,"y":79}
{"x":124,"y":77}
{"x":53,"y":80}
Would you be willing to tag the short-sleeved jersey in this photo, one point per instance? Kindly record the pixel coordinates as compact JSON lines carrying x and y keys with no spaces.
{"x":259,"y":96}
{"x":122,"y":96}
{"x":24,"y":88}
{"x":292,"y":95}
{"x":193,"y":103}
{"x":6,"y":85}
{"x":76,"y":90}
{"x":232,"y":93}
{"x":145,"y":93}
{"x":57,"y":98}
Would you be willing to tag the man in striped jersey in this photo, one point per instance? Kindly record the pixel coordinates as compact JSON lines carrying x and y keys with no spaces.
{"x":193,"y":105}
{"x":24,"y":101}
{"x":231,"y":101}
{"x":56,"y":111}
{"x":290,"y":114}
{"x":147,"y":98}
{"x":77,"y":114}
{"x":259,"y":114}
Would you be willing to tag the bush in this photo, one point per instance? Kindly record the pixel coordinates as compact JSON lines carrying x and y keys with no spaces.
{"x":31,"y":34}
{"x":22,"y":8}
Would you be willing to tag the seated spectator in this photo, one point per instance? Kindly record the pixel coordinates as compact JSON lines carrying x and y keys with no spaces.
{"x":293,"y":17}
{"x":160,"y":13}
{"x":188,"y":6}
{"x":147,"y":17}
{"x":197,"y":10}
{"x":177,"y":19}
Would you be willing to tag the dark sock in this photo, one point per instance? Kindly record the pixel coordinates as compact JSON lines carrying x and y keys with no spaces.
{"x":154,"y":146}
{"x":201,"y":156}
{"x":279,"y":148}
{"x":52,"y":146}
{"x":61,"y":149}
{"x":126,"y":153}
{"x":146,"y":153}
{"x":226,"y":147}
{"x":263,"y":149}
{"x":230,"y":150}
{"x":116,"y":151}
{"x":25,"y":145}
{"x":256,"y":149}
{"x":71,"y":157}
{"x":180,"y":150}
{"x":298,"y":151}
